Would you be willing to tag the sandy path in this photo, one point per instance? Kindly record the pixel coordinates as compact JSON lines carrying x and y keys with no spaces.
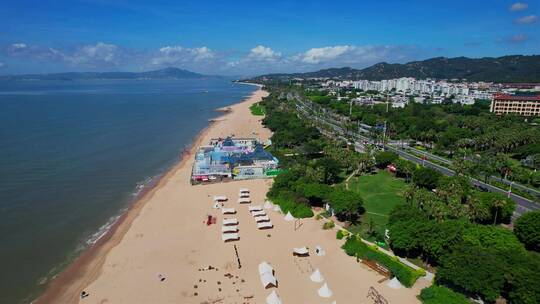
{"x":169,"y":237}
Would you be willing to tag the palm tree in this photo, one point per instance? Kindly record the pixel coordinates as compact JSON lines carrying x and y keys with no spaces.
{"x":497,"y":204}
{"x":410,"y":193}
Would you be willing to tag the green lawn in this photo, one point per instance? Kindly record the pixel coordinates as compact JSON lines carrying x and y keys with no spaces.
{"x":257,"y":109}
{"x":381,"y":193}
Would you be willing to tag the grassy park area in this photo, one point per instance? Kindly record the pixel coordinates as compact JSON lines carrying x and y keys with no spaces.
{"x":257,"y":109}
{"x":381,"y":193}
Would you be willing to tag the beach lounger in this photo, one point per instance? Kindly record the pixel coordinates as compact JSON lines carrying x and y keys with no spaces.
{"x":258,"y":213}
{"x":220,"y":198}
{"x":228,"y":211}
{"x":231,"y":221}
{"x":243,"y":195}
{"x":244,"y":200}
{"x":228,"y":237}
{"x":243,"y":190}
{"x":255,"y":208}
{"x":265,"y":225}
{"x":229,"y":229}
{"x":260,"y":219}
{"x":302,"y":251}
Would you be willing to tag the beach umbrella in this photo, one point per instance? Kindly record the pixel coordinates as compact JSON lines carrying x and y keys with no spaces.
{"x":319,"y":251}
{"x":324,"y":291}
{"x":289,"y":217}
{"x":273,"y":298}
{"x":316,"y":276}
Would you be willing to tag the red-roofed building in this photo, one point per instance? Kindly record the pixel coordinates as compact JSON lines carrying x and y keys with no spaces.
{"x":524,"y":105}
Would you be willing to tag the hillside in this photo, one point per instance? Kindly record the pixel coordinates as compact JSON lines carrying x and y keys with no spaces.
{"x":167,"y":73}
{"x":516,"y":68}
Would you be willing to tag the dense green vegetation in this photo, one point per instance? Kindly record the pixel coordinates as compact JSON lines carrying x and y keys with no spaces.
{"x":441,"y":295}
{"x":257,"y":109}
{"x":527,"y":229}
{"x":405,"y":274}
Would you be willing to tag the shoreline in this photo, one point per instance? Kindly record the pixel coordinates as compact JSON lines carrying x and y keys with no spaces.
{"x":66,"y":286}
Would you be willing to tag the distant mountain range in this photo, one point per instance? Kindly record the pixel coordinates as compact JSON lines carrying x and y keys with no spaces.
{"x":167,"y":73}
{"x":516,"y":68}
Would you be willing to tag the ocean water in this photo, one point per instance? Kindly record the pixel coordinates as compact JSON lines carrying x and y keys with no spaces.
{"x":73,"y":154}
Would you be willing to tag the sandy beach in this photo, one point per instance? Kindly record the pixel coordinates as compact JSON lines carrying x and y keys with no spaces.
{"x":165,"y":235}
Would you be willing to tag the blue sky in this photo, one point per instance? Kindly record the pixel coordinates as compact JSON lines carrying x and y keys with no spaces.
{"x":252,"y":37}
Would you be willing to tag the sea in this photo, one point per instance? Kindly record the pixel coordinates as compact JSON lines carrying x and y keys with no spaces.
{"x":75,"y":154}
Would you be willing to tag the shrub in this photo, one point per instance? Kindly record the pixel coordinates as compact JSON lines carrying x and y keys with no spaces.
{"x":329,"y":225}
{"x":298,"y":210}
{"x":441,"y":295}
{"x":318,"y":216}
{"x":527,"y":230}
{"x":405,"y":274}
{"x":341,"y":234}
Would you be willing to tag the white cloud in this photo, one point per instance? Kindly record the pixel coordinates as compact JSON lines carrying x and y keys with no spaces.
{"x":527,"y":19}
{"x":518,"y":38}
{"x":170,"y":55}
{"x":96,"y":55}
{"x":518,"y":6}
{"x":261,"y":52}
{"x":18,"y":45}
{"x":324,"y":54}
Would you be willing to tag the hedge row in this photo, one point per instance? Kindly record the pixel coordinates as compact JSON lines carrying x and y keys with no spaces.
{"x":441,"y":295}
{"x":405,"y":274}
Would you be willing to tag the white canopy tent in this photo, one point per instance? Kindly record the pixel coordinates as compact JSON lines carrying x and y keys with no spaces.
{"x":244,"y":200}
{"x":229,"y":229}
{"x":277,"y":208}
{"x":302,"y":251}
{"x":394,"y":283}
{"x":324,"y":291}
{"x":228,"y":211}
{"x":265,"y":225}
{"x":227,"y":237}
{"x":231,"y":221}
{"x":266,"y":274}
{"x":255,"y":208}
{"x":220,"y":198}
{"x":273,"y":298}
{"x":258,"y":213}
{"x":260,"y":219}
{"x":316,"y":276}
{"x":289,"y":217}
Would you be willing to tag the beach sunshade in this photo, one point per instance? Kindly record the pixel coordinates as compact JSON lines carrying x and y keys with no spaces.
{"x":232,"y":221}
{"x":244,"y":200}
{"x":258,"y":213}
{"x":268,"y":280}
{"x":220,"y":198}
{"x":302,"y":251}
{"x":228,"y":211}
{"x":227,"y":237}
{"x":229,"y":229}
{"x":265,"y":225}
{"x":277,"y":208}
{"x":273,"y":298}
{"x":268,"y":205}
{"x":260,"y":219}
{"x":319,"y":251}
{"x":324,"y":291}
{"x":255,"y":208}
{"x":244,"y":190}
{"x":289,"y":217}
{"x":316,"y":276}
{"x":265,"y":267}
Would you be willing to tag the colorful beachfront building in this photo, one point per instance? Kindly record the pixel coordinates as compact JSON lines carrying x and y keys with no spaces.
{"x":233,"y":158}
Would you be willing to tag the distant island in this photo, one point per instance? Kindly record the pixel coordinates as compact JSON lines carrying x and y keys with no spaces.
{"x":515,"y":68}
{"x":166,"y":73}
